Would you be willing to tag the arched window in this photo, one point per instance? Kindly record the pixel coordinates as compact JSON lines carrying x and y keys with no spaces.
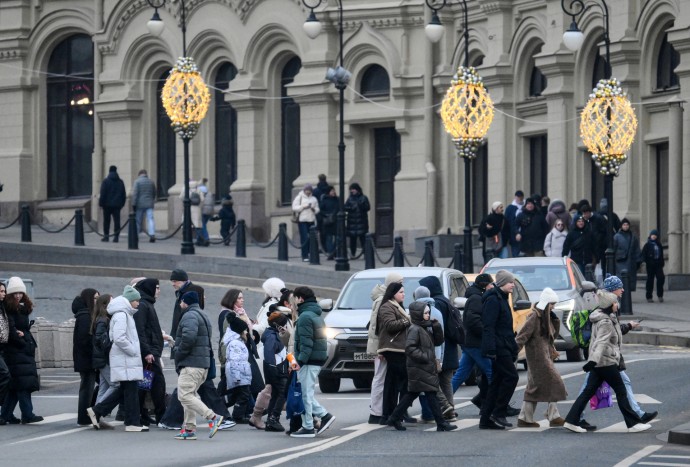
{"x":375,"y":82}
{"x":289,"y":131}
{"x":600,"y":70}
{"x":226,"y":132}
{"x":165,"y":145}
{"x":668,"y":60}
{"x":70,"y":118}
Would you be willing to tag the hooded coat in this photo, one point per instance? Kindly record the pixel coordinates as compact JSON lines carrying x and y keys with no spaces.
{"x":532,"y":228}
{"x":472,"y":317}
{"x":311,"y":347}
{"x":20,"y":354}
{"x":146,"y":319}
{"x":238,"y":371}
{"x":451,"y":356}
{"x":193,"y":339}
{"x":653,"y":253}
{"x":420,"y":358}
{"x":125,"y":354}
{"x":578,"y":245}
{"x":544,"y":383}
{"x":499,"y":227}
{"x":392,"y":323}
{"x":558,"y":211}
{"x":553,"y":243}
{"x":606,"y":340}
{"x":626,"y":250}
{"x":498,"y":338}
{"x":306,"y":206}
{"x":82,"y":347}
{"x":113,"y":193}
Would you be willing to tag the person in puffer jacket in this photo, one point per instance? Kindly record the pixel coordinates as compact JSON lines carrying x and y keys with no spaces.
{"x":238,"y":371}
{"x":275,"y":368}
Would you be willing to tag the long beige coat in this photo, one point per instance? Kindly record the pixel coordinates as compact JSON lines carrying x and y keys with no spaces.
{"x":544,"y":383}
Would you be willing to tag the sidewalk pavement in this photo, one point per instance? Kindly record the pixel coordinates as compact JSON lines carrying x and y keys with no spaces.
{"x":664,"y":324}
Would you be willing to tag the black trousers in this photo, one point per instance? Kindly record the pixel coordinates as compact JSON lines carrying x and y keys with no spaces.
{"x":655,"y":272}
{"x":157,"y":391}
{"x":115,"y":213}
{"x":128,"y":393}
{"x":395,"y":384}
{"x":353,"y":243}
{"x":86,"y":390}
{"x":410,"y":397}
{"x":241,"y":395}
{"x":504,"y":379}
{"x":611,"y":375}
{"x":275,"y":406}
{"x":4,"y":379}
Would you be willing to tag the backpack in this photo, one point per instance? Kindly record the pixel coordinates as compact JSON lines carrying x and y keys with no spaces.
{"x":453,"y":324}
{"x":581,"y":327}
{"x":195,"y":198}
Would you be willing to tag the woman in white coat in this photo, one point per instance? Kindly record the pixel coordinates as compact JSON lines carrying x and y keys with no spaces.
{"x":125,"y":361}
{"x":306,"y":207}
{"x":553,"y":243}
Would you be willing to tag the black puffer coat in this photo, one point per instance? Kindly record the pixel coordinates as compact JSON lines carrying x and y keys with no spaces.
{"x":82,"y":345}
{"x":113,"y":193}
{"x":21,"y":357}
{"x":451,"y":357}
{"x":357,"y":208}
{"x":146,"y":320}
{"x":472,"y":317}
{"x":101,"y":343}
{"x":420,"y":355}
{"x":578,"y":244}
{"x":498,"y":338}
{"x":532,"y":227}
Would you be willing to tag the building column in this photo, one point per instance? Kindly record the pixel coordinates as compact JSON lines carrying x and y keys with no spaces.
{"x":675,"y":187}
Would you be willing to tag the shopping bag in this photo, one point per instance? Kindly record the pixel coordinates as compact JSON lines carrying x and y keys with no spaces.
{"x":146,"y":383}
{"x":602,"y":398}
{"x":294,"y":405}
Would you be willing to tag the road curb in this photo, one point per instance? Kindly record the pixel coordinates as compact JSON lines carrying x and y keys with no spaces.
{"x":680,"y":434}
{"x":658,"y":339}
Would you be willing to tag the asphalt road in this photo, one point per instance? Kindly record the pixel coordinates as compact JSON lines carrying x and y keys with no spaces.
{"x":659,"y":378}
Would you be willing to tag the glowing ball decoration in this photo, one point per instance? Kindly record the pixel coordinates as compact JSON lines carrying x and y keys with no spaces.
{"x":608,"y":126}
{"x":185,"y":97}
{"x":467,"y":111}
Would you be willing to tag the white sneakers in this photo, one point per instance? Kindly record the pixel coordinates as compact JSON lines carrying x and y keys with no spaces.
{"x":136,"y":428}
{"x":640,"y":427}
{"x":574,"y":428}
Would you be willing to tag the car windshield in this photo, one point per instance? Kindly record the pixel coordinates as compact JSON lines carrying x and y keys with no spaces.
{"x":357,"y":294}
{"x":538,"y":277}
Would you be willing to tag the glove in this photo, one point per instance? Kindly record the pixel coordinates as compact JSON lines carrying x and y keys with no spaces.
{"x":589,"y":366}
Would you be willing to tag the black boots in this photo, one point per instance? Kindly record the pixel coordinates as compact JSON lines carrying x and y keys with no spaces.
{"x":272,"y":424}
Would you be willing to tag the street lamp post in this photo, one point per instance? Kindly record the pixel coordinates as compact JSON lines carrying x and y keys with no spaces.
{"x":467,"y":112}
{"x":608,"y":123}
{"x":185,"y":99}
{"x":340,"y":77}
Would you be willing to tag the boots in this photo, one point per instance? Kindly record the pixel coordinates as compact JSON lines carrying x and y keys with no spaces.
{"x":272,"y":424}
{"x":260,"y":405}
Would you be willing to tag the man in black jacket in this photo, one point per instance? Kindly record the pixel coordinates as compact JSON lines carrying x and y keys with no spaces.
{"x":112,"y":200}
{"x":151,"y":344}
{"x":498,"y":344}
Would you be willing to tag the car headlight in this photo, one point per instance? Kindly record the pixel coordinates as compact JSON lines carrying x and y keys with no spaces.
{"x":567,"y":307}
{"x":332,"y":332}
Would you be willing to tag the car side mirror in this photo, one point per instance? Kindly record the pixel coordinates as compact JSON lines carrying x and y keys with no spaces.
{"x":523,"y":305}
{"x":459,"y":302}
{"x":326,"y":304}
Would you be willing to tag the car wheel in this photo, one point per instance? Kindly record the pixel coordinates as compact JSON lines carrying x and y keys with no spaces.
{"x":329,"y":385}
{"x":574,"y":355}
{"x":362,"y":382}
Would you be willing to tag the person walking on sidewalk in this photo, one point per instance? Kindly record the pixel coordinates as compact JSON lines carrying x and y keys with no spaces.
{"x":311,"y":354}
{"x":306,"y":207}
{"x":83,"y":307}
{"x":653,"y":257}
{"x":112,"y":200}
{"x":143,"y":198}
{"x":357,"y":208}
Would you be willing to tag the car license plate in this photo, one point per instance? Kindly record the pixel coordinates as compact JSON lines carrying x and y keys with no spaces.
{"x":364,"y":357}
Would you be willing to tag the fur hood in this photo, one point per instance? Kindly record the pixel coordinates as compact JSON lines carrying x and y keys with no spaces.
{"x":273,"y":286}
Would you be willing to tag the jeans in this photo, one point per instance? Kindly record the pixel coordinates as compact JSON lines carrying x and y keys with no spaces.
{"x":86,"y":388}
{"x":503,"y":382}
{"x":4,"y":379}
{"x":13,"y":397}
{"x":628,"y":390}
{"x":470,"y":356}
{"x":188,"y":383}
{"x":304,"y":237}
{"x":128,"y":393}
{"x":514,"y":250}
{"x":307,"y":375}
{"x":115,"y":214}
{"x":105,"y":385}
{"x":150,"y":226}
{"x":377,"y":385}
{"x":655,"y":271}
{"x":329,"y":243}
{"x":395,"y":384}
{"x":445,"y":395}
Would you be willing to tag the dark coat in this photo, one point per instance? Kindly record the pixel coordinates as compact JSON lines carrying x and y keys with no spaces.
{"x":20,"y":356}
{"x":272,"y":346}
{"x":653,"y":253}
{"x":578,"y":244}
{"x":510,"y":214}
{"x":420,"y":355}
{"x":82,"y":346}
{"x":177,"y":311}
{"x":532,"y":227}
{"x":498,"y":338}
{"x":101,"y":343}
{"x":193,"y":339}
{"x":113,"y":193}
{"x":330,"y":205}
{"x":626,"y":250}
{"x":558,"y":211}
{"x":227,"y":213}
{"x":472,"y":317}
{"x":310,"y":334}
{"x":499,"y":226}
{"x":357,"y":206}
{"x":148,"y":326}
{"x":450,"y":352}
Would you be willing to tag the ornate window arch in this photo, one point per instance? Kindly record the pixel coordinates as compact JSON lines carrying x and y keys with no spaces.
{"x":226,"y":131}
{"x":375,"y":82}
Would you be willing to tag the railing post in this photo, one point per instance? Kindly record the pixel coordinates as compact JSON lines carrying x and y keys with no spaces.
{"x":26,"y":223}
{"x":313,"y":245}
{"x":132,"y":233}
{"x":428,"y":259}
{"x":241,"y":246}
{"x":79,"y":227}
{"x":626,"y":299}
{"x":398,"y":257}
{"x":369,"y":253}
{"x":457,"y":256}
{"x":282,"y":242}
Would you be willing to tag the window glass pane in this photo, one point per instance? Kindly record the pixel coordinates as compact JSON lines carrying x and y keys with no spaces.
{"x":290,"y":132}
{"x":166,"y":151}
{"x":375,"y":82}
{"x":226,"y":132}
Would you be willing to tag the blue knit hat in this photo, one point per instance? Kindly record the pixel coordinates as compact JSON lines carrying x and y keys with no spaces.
{"x":190,"y":298}
{"x":612,"y":283}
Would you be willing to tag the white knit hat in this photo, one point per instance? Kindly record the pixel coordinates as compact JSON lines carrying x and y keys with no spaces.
{"x":273,"y":286}
{"x":15,"y":284}
{"x":546,"y":297}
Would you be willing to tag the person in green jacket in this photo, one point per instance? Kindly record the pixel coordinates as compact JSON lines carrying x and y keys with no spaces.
{"x":311,"y":353}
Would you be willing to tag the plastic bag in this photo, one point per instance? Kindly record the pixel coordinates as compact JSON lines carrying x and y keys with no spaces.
{"x":602,"y":398}
{"x":295,"y":404}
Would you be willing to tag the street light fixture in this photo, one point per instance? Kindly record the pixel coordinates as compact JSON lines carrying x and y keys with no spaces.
{"x":185,"y":98}
{"x":608,"y":123}
{"x":467,"y":112}
{"x":340,"y":77}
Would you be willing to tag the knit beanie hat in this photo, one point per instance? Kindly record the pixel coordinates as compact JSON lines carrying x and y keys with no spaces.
{"x":495,"y":205}
{"x":392,"y":277}
{"x":14,"y":285}
{"x":546,"y":297}
{"x":131,"y":294}
{"x":308,"y":187}
{"x":273,"y":286}
{"x":179,"y":275}
{"x":482,"y":280}
{"x":421,"y":292}
{"x":503,"y":277}
{"x":625,"y":221}
{"x":654,"y":232}
{"x":237,"y":324}
{"x":277,"y":319}
{"x":606,"y":299}
{"x":612,"y":283}
{"x":148,"y":286}
{"x":190,"y":298}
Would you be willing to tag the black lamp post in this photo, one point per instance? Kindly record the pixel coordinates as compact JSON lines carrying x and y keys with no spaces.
{"x":340,"y":77}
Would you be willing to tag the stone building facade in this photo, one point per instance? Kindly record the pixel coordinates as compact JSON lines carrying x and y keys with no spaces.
{"x":80,"y":80}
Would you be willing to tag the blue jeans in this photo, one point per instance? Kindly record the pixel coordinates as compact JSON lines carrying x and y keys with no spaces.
{"x":25,"y":406}
{"x":628,"y":389}
{"x":470,"y":356}
{"x":304,"y":237}
{"x":204,"y":220}
{"x":150,"y":226}
{"x":307,"y":375}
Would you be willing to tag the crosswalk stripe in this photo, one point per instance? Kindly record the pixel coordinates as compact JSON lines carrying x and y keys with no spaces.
{"x":666,"y":464}
{"x":56,"y":418}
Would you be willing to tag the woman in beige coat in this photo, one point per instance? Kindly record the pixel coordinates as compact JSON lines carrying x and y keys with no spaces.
{"x":544,"y":383}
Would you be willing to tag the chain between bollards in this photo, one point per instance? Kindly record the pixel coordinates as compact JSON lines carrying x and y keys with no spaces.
{"x":79,"y":227}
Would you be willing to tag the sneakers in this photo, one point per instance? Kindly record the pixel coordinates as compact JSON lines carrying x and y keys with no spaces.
{"x":136,"y":428}
{"x":446,"y":427}
{"x":584,"y":424}
{"x":649,"y":300}
{"x":490,"y":425}
{"x":226,"y":425}
{"x":214,"y":424}
{"x":326,"y":421}
{"x":427,"y":421}
{"x":557,"y":422}
{"x":272,"y":424}
{"x":648,"y":416}
{"x":93,"y":417}
{"x":574,"y":428}
{"x":103,"y":425}
{"x":303,"y":433}
{"x":166,"y":427}
{"x":32,"y":419}
{"x":523,"y":424}
{"x":640,"y":427}
{"x":185,"y":435}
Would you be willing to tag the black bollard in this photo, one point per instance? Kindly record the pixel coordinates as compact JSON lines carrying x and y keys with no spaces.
{"x":589,"y":273}
{"x":282,"y":242}
{"x":132,"y":233}
{"x":626,"y":299}
{"x":457,"y":256}
{"x":313,"y":245}
{"x":369,"y":253}
{"x":398,"y":256}
{"x":428,"y":259}
{"x":26,"y":224}
{"x":79,"y":227}
{"x":241,"y":246}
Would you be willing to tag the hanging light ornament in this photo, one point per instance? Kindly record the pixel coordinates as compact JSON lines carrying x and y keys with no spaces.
{"x":185,"y":97}
{"x":467,"y":111}
{"x":608,"y":125}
